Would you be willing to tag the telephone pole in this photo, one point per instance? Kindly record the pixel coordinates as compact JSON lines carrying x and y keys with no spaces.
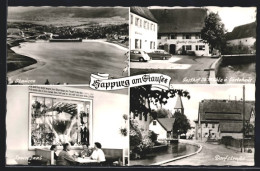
{"x":243,"y":143}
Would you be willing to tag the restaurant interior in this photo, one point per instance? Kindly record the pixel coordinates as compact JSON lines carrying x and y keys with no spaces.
{"x":41,"y":116}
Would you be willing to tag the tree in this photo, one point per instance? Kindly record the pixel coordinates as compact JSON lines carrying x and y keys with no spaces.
{"x":162,"y":113}
{"x":142,"y":96}
{"x":181,"y":124}
{"x":213,"y":31}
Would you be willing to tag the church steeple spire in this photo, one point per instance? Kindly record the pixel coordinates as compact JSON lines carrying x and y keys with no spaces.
{"x":179,"y":105}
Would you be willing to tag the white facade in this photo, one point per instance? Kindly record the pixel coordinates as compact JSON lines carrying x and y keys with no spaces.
{"x":142,"y":122}
{"x":183,"y":43}
{"x":249,"y":41}
{"x":206,"y":130}
{"x":212,"y":130}
{"x":142,"y":33}
{"x":157,"y":128}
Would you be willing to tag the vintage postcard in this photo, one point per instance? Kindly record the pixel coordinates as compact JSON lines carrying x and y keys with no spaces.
{"x":131,"y":86}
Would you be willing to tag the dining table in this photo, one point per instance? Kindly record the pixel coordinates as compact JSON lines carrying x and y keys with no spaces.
{"x":86,"y":161}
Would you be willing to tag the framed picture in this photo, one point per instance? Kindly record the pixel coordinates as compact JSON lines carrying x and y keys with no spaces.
{"x":58,"y":120}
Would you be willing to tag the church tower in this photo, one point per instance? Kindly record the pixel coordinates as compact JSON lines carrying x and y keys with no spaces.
{"x":179,"y":106}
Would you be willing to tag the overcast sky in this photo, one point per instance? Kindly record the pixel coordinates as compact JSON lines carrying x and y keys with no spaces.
{"x":201,"y":92}
{"x":230,"y":16}
{"x":235,"y":16}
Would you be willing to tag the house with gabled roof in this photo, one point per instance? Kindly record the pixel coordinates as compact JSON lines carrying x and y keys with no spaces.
{"x":179,"y":30}
{"x":220,"y":118}
{"x":163,"y":127}
{"x":143,"y":29}
{"x":242,"y":39}
{"x":244,"y":35}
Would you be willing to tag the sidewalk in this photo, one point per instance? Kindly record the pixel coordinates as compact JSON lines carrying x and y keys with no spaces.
{"x":216,"y":155}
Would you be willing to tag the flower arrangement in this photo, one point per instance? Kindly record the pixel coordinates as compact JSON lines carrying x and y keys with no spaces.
{"x":123,"y":131}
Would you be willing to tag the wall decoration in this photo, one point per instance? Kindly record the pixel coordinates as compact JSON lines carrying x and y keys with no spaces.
{"x":58,"y":120}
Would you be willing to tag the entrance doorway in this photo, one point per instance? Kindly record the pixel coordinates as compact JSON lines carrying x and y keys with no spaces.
{"x":172,"y":48}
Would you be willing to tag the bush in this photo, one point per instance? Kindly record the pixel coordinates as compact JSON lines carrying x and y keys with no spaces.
{"x":226,"y":140}
{"x":153,"y":136}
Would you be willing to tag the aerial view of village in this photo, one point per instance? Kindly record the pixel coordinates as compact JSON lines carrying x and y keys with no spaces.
{"x":194,"y":45}
{"x":64,"y":45}
{"x":192,"y":125}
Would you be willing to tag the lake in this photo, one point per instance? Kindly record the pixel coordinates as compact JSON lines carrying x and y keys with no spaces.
{"x":69,"y":62}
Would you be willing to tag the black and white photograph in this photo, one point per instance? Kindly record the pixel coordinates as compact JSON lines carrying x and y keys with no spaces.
{"x":60,"y":125}
{"x":192,"y":125}
{"x":65,"y":45}
{"x":194,"y":45}
{"x":140,"y":86}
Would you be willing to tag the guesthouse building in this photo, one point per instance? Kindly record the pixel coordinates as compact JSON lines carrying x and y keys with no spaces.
{"x":179,"y":30}
{"x":143,"y":29}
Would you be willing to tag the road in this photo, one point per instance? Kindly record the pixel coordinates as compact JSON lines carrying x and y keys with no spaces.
{"x":69,"y":62}
{"x":181,"y":68}
{"x":214,"y":155}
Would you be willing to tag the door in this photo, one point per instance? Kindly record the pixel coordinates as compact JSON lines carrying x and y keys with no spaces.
{"x":172,"y":48}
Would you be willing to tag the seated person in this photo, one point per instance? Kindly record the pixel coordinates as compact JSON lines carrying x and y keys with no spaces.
{"x":98,"y":154}
{"x":86,"y":152}
{"x":54,"y":148}
{"x":64,"y":157}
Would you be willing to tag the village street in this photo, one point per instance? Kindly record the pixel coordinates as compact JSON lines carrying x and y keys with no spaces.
{"x":217,"y":155}
{"x":181,"y":68}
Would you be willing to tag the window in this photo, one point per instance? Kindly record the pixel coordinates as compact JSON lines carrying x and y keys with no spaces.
{"x":148,"y":25}
{"x":151,"y":45}
{"x":145,"y":117}
{"x":200,"y":47}
{"x":154,"y":122}
{"x":151,"y":27}
{"x":138,"y":44}
{"x":186,"y":36}
{"x":131,"y":19}
{"x":213,"y":125}
{"x":188,"y":47}
{"x":141,"y":23}
{"x":136,"y":21}
{"x":54,"y":119}
{"x":198,"y":36}
{"x":173,"y":36}
{"x":145,"y":24}
{"x":140,"y":116}
{"x":206,"y":125}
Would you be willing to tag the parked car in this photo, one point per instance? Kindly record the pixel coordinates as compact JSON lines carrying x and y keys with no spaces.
{"x":139,"y":55}
{"x":215,"y":54}
{"x":160,"y":54}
